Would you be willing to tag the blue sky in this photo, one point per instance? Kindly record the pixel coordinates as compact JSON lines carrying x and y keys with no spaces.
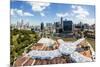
{"x":37,"y":12}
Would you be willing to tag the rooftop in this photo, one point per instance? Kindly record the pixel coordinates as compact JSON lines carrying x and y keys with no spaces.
{"x":60,"y":52}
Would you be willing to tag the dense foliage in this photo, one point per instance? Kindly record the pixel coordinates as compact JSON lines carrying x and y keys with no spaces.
{"x":20,"y":39}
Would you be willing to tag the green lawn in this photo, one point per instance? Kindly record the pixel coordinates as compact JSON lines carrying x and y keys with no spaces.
{"x":69,"y":39}
{"x":92,"y":42}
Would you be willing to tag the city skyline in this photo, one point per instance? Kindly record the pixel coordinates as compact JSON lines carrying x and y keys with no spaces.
{"x":37,"y":12}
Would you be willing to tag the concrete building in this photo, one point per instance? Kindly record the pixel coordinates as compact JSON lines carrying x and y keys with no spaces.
{"x":42,"y":26}
{"x":67,"y":26}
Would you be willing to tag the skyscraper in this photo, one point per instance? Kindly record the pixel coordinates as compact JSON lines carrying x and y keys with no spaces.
{"x":42,"y":26}
{"x":62,"y":23}
{"x":67,"y":26}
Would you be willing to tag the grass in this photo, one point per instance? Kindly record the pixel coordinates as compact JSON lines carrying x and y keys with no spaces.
{"x":69,"y":39}
{"x":92,"y":42}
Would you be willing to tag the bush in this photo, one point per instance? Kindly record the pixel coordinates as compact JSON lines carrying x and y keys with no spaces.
{"x":15,"y":31}
{"x":23,"y":39}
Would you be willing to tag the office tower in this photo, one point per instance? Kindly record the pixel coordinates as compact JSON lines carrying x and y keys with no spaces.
{"x":42,"y":26}
{"x":62,"y":23}
{"x":67,"y":26}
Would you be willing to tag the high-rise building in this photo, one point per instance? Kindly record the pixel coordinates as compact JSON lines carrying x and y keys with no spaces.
{"x":21,"y":24}
{"x":42,"y":26}
{"x":57,"y":27}
{"x":80,"y":26}
{"x":62,"y":23}
{"x":48,"y":25}
{"x":67,"y":26}
{"x":86,"y":26}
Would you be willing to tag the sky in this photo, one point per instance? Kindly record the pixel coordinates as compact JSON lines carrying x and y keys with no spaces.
{"x":36,"y":12}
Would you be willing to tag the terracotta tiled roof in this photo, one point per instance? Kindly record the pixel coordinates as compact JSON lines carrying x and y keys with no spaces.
{"x":57,"y":60}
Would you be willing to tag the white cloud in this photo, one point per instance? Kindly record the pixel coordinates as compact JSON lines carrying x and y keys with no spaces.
{"x":38,"y":6}
{"x":61,"y":14}
{"x":12,"y":12}
{"x":20,"y":12}
{"x":79,"y":11}
{"x":89,"y":20}
{"x":28,"y":14}
{"x":82,"y":15}
{"x":42,"y":14}
{"x":73,"y":6}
